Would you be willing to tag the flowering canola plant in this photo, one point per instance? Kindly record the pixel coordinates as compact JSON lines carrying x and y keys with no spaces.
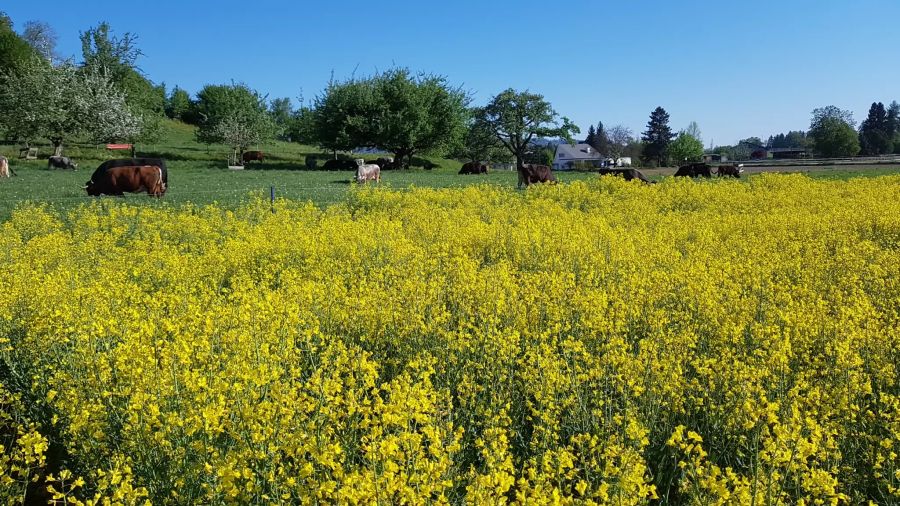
{"x":599,"y":342}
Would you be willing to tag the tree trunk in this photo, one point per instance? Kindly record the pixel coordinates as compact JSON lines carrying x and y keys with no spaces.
{"x":520,"y":165}
{"x":57,"y":147}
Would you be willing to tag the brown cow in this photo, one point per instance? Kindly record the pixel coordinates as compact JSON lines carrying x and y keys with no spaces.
{"x":531,"y":173}
{"x":694,"y":170}
{"x":4,"y":167}
{"x":730,"y":170}
{"x":473,"y":168}
{"x":249,"y":156}
{"x":129,"y":178}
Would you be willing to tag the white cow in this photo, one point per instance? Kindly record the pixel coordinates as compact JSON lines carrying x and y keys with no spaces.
{"x":367,"y":172}
{"x":4,"y":167}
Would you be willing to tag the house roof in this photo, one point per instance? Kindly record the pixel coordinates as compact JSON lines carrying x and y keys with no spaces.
{"x":577,"y":152}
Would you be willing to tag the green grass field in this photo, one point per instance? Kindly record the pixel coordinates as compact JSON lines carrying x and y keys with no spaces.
{"x":198,"y":175}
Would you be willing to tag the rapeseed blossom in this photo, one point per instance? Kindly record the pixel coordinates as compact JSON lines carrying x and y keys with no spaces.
{"x":592,"y":343}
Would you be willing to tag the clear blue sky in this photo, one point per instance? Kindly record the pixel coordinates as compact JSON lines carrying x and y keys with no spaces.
{"x":738,"y":69}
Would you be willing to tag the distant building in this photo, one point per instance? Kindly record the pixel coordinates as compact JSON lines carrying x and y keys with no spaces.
{"x":714,"y":158}
{"x":568,"y":157}
{"x":788,"y":153}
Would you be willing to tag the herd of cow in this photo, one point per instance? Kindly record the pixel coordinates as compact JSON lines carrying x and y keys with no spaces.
{"x":116,"y":177}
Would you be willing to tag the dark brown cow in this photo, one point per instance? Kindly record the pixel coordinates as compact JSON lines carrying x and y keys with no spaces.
{"x":694,"y":170}
{"x":531,"y":173}
{"x":473,"y":168}
{"x":129,"y":178}
{"x":339,"y":165}
{"x":250,"y":156}
{"x":628,"y":174}
{"x":730,"y":170}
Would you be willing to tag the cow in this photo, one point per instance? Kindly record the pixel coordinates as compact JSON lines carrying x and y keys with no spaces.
{"x":474,"y":168}
{"x":249,"y":156}
{"x":730,"y":170}
{"x":531,"y":173}
{"x":102,"y":183}
{"x":385,"y":163}
{"x":129,"y":178}
{"x":628,"y":174}
{"x":339,"y":165}
{"x":694,"y":170}
{"x":4,"y":167}
{"x":61,"y":162}
{"x":367,"y":172}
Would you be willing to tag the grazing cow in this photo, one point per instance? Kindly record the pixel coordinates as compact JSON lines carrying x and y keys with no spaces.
{"x":339,"y":165}
{"x":628,"y":174}
{"x":61,"y":162}
{"x":130,"y":178}
{"x":474,"y":168}
{"x":531,"y":173}
{"x":730,"y":170}
{"x":385,"y":163}
{"x":4,"y":167}
{"x":367,"y":172}
{"x":249,"y":156}
{"x":694,"y":170}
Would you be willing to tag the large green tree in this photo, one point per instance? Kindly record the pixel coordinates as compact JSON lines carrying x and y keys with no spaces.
{"x":657,"y":137}
{"x":518,"y":118}
{"x":601,"y":139}
{"x":281,"y":111}
{"x":875,"y":134}
{"x":416,"y":114}
{"x":178,"y":105}
{"x":15,"y":51}
{"x":893,"y":124}
{"x":233,"y":114}
{"x":340,"y":115}
{"x":480,"y":143}
{"x":685,"y":148}
{"x":831,"y":129}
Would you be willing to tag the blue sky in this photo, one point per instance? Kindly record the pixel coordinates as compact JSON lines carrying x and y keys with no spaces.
{"x":737,"y":68}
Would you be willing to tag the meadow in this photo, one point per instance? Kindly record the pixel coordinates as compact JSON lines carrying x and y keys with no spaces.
{"x":596,"y":342}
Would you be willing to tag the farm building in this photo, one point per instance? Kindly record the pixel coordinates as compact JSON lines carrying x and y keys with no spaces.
{"x":714,"y":158}
{"x":569,"y":157}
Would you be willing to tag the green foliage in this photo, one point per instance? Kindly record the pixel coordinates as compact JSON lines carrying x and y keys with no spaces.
{"x":480,"y":143}
{"x":518,"y":118}
{"x":657,"y":137}
{"x":233,"y":114}
{"x":835,"y":138}
{"x":15,"y":52}
{"x":793,"y":139}
{"x":178,"y":105}
{"x":876,"y":136}
{"x":601,"y":140}
{"x":685,"y":148}
{"x":340,"y":115}
{"x":42,"y":38}
{"x":281,"y":111}
{"x":301,"y":127}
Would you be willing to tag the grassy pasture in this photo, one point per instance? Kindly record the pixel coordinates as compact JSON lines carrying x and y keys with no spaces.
{"x":198,"y":174}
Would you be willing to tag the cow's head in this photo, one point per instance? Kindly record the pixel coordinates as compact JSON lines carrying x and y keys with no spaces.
{"x":91,"y":188}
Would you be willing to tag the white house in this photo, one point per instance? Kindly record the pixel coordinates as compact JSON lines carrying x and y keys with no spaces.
{"x":568,"y":156}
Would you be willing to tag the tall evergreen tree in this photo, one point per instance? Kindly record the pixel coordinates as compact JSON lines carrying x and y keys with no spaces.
{"x":893,"y":123}
{"x":657,"y":137}
{"x":601,"y":139}
{"x":591,"y":136}
{"x":874,"y":136}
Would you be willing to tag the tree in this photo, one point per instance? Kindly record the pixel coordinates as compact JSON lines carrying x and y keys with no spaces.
{"x":178,"y":105}
{"x":832,"y":132}
{"x":591,"y":136}
{"x":693,"y":129}
{"x":893,"y":124}
{"x":685,"y":148}
{"x":875,"y":137}
{"x":233,"y":114}
{"x":281,"y":111}
{"x":339,"y":115}
{"x":618,"y":137}
{"x":517,"y":118}
{"x":657,"y":137}
{"x":15,"y":51}
{"x":601,"y":140}
{"x":59,"y":103}
{"x":302,"y":126}
{"x":480,"y":143}
{"x":416,"y":114}
{"x":42,"y":38}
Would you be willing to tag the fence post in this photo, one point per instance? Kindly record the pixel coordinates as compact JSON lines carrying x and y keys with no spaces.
{"x":272,"y":198}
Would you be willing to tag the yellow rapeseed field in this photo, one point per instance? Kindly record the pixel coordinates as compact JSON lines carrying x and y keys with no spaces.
{"x":590,"y":343}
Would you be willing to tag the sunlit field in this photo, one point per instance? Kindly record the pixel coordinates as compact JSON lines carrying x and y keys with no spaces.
{"x":596,"y":342}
